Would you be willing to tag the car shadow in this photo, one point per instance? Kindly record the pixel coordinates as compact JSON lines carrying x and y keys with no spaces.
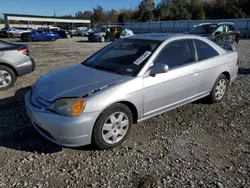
{"x":244,"y":71}
{"x":84,"y":41}
{"x":16,"y":130}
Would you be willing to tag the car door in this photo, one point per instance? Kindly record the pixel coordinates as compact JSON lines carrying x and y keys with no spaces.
{"x":176,"y":87}
{"x":207,"y":66}
{"x":231,"y":34}
{"x":219,"y":34}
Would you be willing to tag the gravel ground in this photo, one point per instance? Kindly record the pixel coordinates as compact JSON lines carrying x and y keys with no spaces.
{"x":197,"y":145}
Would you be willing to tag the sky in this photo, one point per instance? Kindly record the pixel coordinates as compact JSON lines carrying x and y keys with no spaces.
{"x":62,"y":7}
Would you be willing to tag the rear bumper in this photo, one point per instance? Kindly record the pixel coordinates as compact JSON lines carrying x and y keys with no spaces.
{"x":26,"y":67}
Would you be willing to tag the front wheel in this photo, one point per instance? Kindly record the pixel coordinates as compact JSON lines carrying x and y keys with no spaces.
{"x":112,"y":126}
{"x":29,"y":39}
{"x":219,"y":90}
{"x":102,"y":39}
{"x":7,"y":78}
{"x":52,"y":39}
{"x":68,"y":36}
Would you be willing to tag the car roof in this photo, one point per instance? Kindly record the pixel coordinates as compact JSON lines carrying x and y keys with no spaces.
{"x":220,"y":23}
{"x":158,"y":36}
{"x":226,"y":23}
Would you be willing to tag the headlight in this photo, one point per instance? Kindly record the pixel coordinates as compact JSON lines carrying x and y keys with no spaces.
{"x":69,"y":107}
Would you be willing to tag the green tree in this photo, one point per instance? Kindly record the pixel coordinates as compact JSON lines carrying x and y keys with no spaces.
{"x":197,"y":10}
{"x":162,"y":10}
{"x":182,"y":10}
{"x":245,"y":5}
{"x":98,"y":14}
{"x":88,"y":14}
{"x":112,"y":16}
{"x":146,"y":10}
{"x":123,"y":17}
{"x":233,"y":9}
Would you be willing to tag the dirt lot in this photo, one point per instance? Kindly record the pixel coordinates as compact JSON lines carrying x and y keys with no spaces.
{"x":198,"y":145}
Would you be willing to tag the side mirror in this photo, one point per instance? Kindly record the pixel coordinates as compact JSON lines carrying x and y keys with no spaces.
{"x":158,"y":69}
{"x":218,"y":33}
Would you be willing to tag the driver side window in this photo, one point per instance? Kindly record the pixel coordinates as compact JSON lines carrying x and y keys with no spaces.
{"x":177,"y":53}
{"x":220,"y":29}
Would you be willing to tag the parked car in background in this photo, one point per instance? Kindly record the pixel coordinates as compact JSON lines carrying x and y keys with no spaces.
{"x":14,"y":62}
{"x":218,"y":32}
{"x":79,"y":30}
{"x":40,"y":35}
{"x":63,"y":33}
{"x":72,"y":32}
{"x":17,"y":31}
{"x":109,"y":33}
{"x":4,"y":33}
{"x":128,"y":81}
{"x":86,"y":32}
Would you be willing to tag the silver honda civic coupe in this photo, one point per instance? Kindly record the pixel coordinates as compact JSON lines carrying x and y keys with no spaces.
{"x":128,"y":81}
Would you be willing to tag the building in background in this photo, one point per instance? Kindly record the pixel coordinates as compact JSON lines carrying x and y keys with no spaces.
{"x":29,"y":20}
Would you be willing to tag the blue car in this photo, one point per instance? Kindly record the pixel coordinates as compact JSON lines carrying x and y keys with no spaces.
{"x":40,"y":35}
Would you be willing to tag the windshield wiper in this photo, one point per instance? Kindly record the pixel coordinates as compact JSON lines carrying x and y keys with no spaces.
{"x":101,"y":67}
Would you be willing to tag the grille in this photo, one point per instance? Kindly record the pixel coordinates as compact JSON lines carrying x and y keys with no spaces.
{"x":39,"y":101}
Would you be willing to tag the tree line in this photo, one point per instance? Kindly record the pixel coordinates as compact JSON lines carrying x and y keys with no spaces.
{"x":147,"y":10}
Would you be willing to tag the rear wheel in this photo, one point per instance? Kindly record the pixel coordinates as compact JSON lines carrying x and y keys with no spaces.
{"x":219,"y":90}
{"x":7,"y":78}
{"x":112,"y":126}
{"x":29,"y":39}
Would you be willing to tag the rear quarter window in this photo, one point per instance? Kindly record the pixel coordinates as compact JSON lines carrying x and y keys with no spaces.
{"x":204,"y":50}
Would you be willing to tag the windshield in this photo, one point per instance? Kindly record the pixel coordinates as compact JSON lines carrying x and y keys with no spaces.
{"x":100,"y":29}
{"x":125,"y":56}
{"x":203,"y":29}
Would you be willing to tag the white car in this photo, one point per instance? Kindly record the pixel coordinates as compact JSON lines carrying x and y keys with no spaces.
{"x":17,"y":31}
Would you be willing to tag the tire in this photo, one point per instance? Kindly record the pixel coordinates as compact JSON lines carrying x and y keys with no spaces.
{"x":53,"y":39}
{"x":7,"y":76}
{"x":218,"y":93}
{"x":102,"y":39}
{"x":105,"y":139}
{"x":29,"y":39}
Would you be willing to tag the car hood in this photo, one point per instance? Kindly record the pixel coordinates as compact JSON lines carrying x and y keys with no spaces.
{"x":74,"y":81}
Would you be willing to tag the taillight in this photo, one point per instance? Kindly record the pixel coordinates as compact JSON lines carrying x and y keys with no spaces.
{"x":238,"y":62}
{"x":24,"y":50}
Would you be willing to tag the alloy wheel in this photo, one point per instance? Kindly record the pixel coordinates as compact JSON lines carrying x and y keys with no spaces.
{"x":115,"y":127}
{"x":220,"y":89}
{"x":5,"y":78}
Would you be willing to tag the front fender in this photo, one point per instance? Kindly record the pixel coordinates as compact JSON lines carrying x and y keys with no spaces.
{"x":130,"y":90}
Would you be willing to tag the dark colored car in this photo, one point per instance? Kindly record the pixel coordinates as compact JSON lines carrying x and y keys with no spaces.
{"x":63,"y":33}
{"x":14,"y":62}
{"x":218,"y":32}
{"x":4,"y":33}
{"x":106,"y":33}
